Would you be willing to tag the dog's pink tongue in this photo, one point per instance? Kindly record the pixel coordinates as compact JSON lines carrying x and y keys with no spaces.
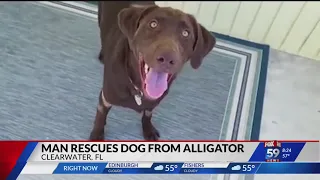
{"x":156,"y":83}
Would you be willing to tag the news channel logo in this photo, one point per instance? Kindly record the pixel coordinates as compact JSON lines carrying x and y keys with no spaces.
{"x":272,"y":151}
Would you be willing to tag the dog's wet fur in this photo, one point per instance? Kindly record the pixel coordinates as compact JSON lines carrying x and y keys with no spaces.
{"x":136,"y":34}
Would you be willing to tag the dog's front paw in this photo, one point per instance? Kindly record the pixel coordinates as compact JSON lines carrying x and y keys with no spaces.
{"x":151,"y":133}
{"x":96,"y":135}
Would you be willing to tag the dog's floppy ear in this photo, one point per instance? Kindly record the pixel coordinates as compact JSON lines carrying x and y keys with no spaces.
{"x":204,"y":42}
{"x":128,"y":19}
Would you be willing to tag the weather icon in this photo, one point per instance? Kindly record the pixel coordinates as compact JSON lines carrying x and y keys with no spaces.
{"x":158,"y":168}
{"x":236,"y":168}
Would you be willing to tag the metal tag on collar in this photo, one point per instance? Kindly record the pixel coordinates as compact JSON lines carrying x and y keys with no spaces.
{"x":137,"y":98}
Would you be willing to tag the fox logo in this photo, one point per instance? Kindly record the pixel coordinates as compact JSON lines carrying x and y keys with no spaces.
{"x":272,"y":144}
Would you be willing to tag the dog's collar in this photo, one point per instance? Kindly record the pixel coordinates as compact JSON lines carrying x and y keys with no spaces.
{"x":136,"y":92}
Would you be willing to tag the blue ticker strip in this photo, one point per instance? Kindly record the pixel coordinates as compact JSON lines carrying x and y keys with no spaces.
{"x":177,"y":168}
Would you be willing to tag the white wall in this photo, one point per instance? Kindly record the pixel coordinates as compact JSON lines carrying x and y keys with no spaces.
{"x":289,"y":26}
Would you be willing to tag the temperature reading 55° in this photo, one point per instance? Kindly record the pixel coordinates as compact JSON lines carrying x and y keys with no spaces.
{"x":170,"y":167}
{"x":248,"y":167}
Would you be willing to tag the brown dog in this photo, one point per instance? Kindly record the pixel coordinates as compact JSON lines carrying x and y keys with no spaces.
{"x":143,"y":50}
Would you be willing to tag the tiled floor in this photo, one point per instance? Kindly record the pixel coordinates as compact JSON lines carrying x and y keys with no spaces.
{"x":292,"y":98}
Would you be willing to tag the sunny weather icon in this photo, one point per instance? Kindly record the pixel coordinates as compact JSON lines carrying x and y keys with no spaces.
{"x":236,"y":168}
{"x":158,"y":168}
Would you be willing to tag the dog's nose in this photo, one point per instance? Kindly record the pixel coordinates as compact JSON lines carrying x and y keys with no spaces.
{"x":166,"y":60}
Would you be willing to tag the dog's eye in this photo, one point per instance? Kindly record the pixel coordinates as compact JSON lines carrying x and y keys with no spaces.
{"x":153,"y":24}
{"x":185,"y":33}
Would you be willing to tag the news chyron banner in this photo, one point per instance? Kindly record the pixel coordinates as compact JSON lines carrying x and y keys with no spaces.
{"x":271,"y":157}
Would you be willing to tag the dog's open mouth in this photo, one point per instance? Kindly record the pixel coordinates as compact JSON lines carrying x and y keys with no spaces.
{"x":154,"y":83}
